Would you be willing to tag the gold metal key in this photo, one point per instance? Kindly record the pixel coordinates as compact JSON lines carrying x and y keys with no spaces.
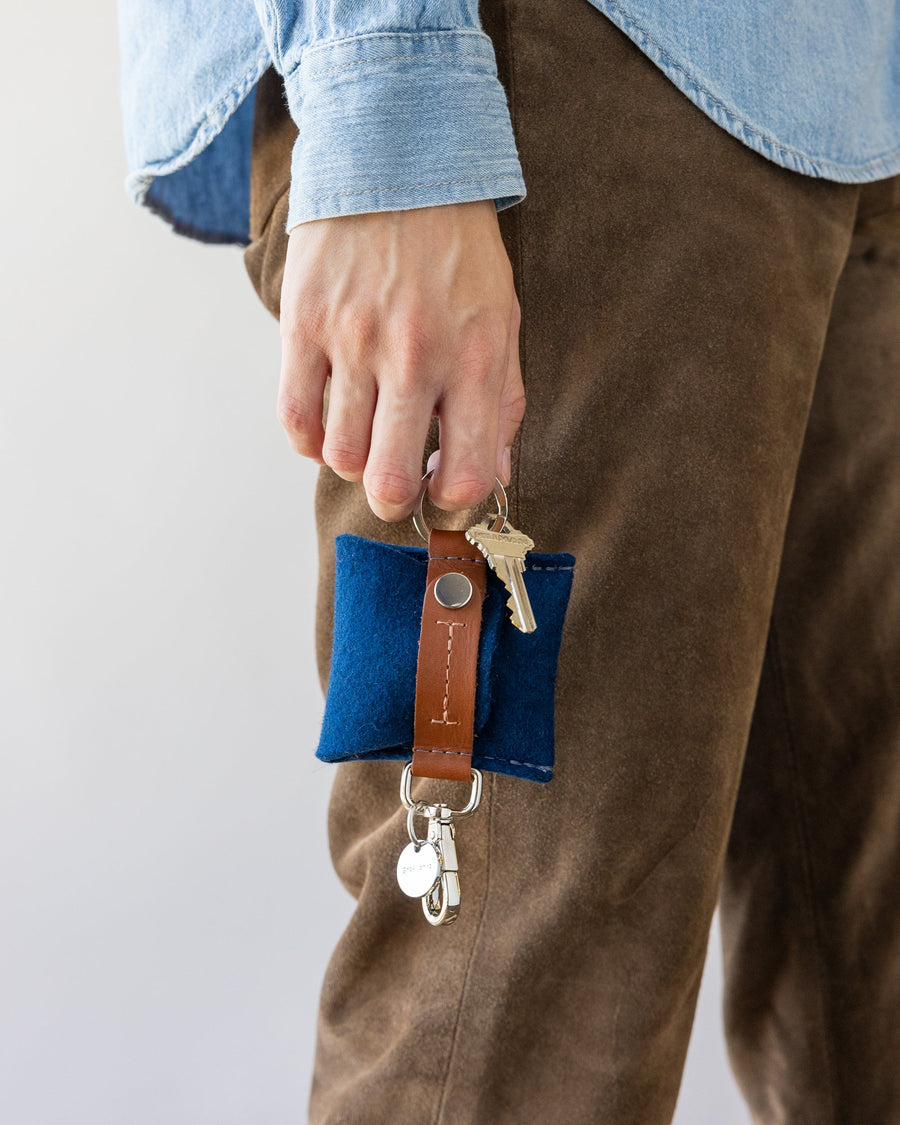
{"x":505,"y":551}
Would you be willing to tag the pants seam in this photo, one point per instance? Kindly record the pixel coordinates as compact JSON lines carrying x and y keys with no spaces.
{"x":807,"y":871}
{"x":454,"y":1036}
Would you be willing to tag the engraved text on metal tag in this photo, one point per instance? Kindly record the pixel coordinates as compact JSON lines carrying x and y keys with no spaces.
{"x":418,"y":869}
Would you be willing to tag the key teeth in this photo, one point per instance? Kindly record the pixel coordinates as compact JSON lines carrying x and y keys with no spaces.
{"x":485,"y":552}
{"x":480,"y":546}
{"x":514,"y":616}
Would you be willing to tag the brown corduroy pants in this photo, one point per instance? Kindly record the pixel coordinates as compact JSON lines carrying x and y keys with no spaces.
{"x":711,"y":354}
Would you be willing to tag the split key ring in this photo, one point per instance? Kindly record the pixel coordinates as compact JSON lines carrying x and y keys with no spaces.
{"x":499,"y":495}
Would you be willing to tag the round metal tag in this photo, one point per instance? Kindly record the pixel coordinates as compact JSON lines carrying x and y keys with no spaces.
{"x":418,"y":869}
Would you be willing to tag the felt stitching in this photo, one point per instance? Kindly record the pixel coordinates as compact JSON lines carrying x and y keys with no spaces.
{"x":514,"y":762}
{"x":456,"y":558}
{"x":433,"y":750}
{"x":485,"y":757}
{"x":445,"y":721}
{"x":550,"y":568}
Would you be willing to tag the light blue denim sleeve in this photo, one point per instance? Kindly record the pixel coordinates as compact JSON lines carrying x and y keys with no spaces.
{"x":397,"y":103}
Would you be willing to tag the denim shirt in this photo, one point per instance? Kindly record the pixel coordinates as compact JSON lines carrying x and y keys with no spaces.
{"x":398,"y":104}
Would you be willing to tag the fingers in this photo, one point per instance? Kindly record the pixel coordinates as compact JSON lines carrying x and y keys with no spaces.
{"x":377,"y":435}
{"x":480,"y":414}
{"x":301,"y":391}
{"x":465,"y":469}
{"x":393,"y":471}
{"x":348,"y":428}
{"x":435,"y":332}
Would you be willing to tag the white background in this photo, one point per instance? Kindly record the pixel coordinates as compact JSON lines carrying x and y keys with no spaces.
{"x":168,"y":904}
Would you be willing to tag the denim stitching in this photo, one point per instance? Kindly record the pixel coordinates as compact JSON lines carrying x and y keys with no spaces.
{"x":806,"y":857}
{"x":771,"y":142}
{"x":404,"y":187}
{"x":407,"y":37}
{"x":392,"y":58}
{"x":209,"y":127}
{"x":277,"y":41}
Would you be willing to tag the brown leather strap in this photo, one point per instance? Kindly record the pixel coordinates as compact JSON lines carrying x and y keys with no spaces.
{"x":448,"y":657}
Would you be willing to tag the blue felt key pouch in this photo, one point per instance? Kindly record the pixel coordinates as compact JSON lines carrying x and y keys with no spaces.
{"x":370,"y":703}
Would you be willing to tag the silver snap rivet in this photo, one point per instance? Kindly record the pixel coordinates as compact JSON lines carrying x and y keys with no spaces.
{"x":453,"y":590}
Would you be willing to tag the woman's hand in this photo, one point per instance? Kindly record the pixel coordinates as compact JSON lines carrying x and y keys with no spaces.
{"x":413,"y":314}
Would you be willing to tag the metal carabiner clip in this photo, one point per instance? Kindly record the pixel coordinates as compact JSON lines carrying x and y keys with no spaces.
{"x":427,"y":868}
{"x":441,"y":901}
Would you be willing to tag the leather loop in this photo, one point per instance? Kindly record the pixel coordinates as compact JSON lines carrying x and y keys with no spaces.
{"x":448,"y":659}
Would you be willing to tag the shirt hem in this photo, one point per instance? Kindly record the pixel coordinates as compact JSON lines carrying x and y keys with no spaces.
{"x":876,"y":168}
{"x":138,"y":182}
{"x":191,"y":230}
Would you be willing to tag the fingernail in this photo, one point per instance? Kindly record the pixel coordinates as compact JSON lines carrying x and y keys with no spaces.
{"x":433,"y":460}
{"x":507,"y":465}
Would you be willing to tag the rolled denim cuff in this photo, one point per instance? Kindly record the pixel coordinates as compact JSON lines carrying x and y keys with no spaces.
{"x":391,"y":121}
